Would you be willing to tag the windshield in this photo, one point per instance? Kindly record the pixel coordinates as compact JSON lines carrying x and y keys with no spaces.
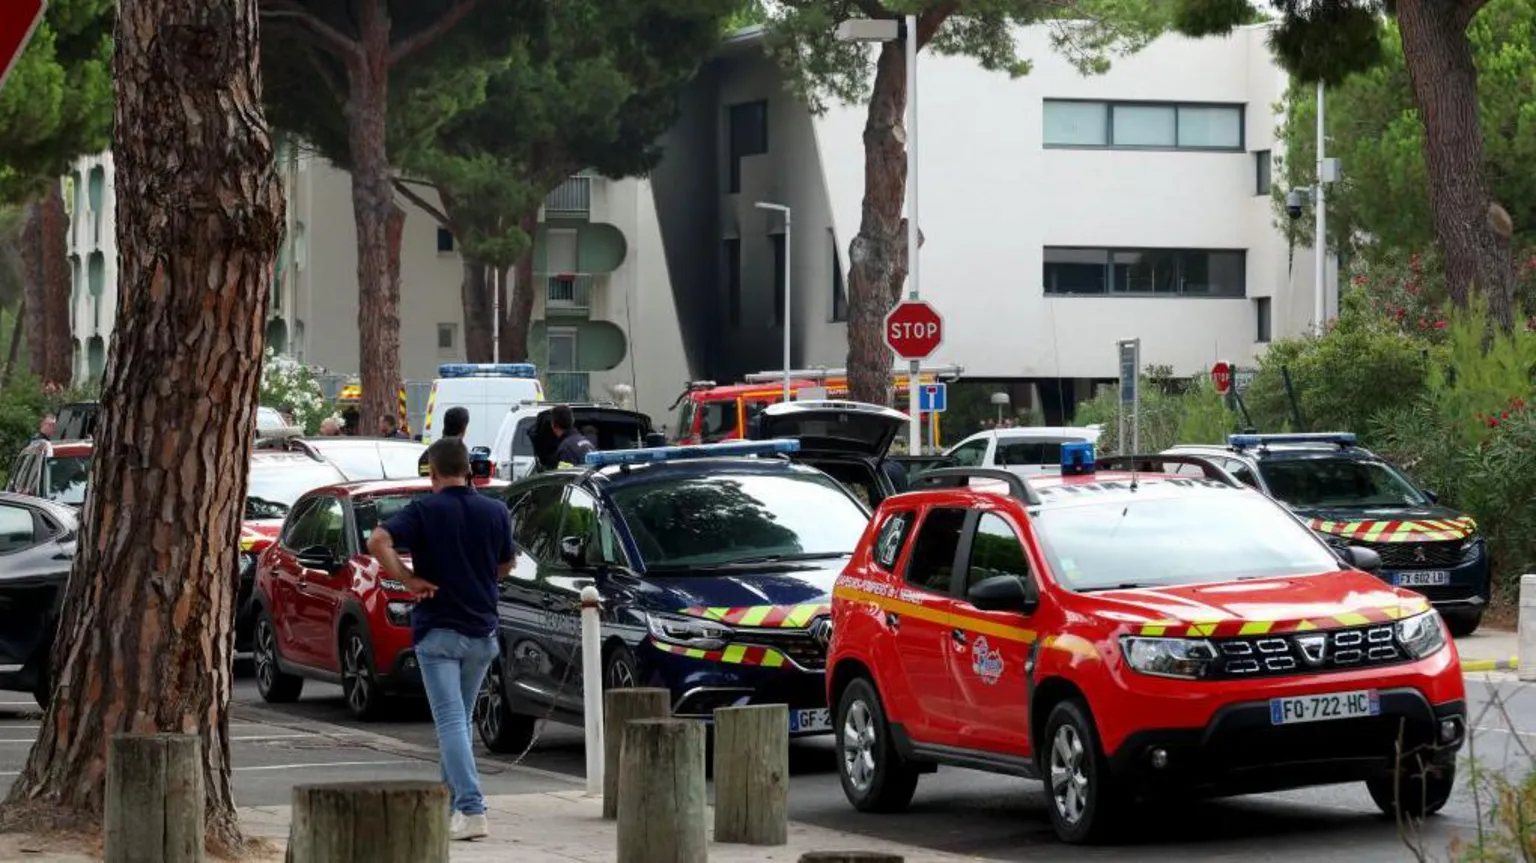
{"x":273,"y":489}
{"x":1339,"y":483}
{"x":1189,"y":540}
{"x":376,"y":461}
{"x":1041,"y":452}
{"x":67,"y":478}
{"x":372,"y":511}
{"x":719,"y":421}
{"x":269,"y":418}
{"x":735,"y":518}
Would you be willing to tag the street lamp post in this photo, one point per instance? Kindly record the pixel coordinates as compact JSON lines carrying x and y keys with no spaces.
{"x":887,"y":30}
{"x":1320,"y":199}
{"x":788,"y":245}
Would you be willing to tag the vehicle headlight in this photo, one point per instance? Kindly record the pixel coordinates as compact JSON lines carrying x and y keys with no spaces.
{"x":688,"y":631}
{"x":1472,"y":548}
{"x":1422,"y":634}
{"x":399,"y":612}
{"x":1188,"y":658}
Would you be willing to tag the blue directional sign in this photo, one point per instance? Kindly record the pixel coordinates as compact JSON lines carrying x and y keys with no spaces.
{"x":931,"y":398}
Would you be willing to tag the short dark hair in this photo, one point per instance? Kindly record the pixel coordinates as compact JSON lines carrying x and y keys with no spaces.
{"x":391,"y":420}
{"x":562,"y":417}
{"x":455,"y":421}
{"x":448,"y":457}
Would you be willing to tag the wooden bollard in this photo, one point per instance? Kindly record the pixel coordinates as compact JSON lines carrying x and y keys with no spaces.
{"x":752,"y":774}
{"x":661,"y":792}
{"x":620,"y":706}
{"x":153,"y":811}
{"x":369,"y":822}
{"x":850,"y":857}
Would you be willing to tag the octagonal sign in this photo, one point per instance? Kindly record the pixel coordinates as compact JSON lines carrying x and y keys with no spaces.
{"x":914,"y":330}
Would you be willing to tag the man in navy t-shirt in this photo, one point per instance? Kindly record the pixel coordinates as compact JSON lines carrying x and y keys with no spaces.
{"x":460,"y":543}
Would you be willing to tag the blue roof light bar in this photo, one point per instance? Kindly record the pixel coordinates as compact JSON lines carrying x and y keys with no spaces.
{"x":684,"y":453}
{"x":487,"y":370}
{"x":1245,"y":441}
{"x":1077,"y":458}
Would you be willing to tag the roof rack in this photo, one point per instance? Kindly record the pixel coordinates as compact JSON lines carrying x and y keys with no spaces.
{"x":487,"y":370}
{"x":959,"y":477}
{"x":1343,"y":440}
{"x":1148,"y":464}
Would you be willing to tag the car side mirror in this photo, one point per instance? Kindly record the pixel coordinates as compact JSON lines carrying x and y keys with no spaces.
{"x":319,"y":557}
{"x":1363,"y":559}
{"x":1434,"y":496}
{"x":573,"y":550}
{"x":1004,"y":593}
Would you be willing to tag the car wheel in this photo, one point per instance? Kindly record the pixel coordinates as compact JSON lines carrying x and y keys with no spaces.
{"x":1082,"y":794}
{"x":501,"y":730}
{"x":359,"y":684}
{"x":875,"y":777}
{"x":275,"y":686}
{"x":620,"y":671}
{"x":1462,"y":625}
{"x":1421,"y":794}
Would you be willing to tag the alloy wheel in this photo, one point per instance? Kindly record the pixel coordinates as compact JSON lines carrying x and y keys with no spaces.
{"x":488,"y":703}
{"x":621,"y":675}
{"x":265,"y":656}
{"x":1069,"y":777}
{"x":356,"y":678}
{"x":859,"y":746}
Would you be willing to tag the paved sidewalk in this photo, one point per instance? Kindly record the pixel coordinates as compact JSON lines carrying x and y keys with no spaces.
{"x":1489,"y":650}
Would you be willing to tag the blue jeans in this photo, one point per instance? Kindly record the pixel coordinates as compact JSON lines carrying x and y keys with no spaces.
{"x":453,"y":666}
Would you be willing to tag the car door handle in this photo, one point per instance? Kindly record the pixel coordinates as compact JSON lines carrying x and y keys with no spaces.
{"x":893,"y":620}
{"x":958,"y":635}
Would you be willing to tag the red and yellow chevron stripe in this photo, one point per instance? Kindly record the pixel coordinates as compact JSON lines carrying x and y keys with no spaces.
{"x":736,"y":654}
{"x":401,"y":401}
{"x":431,"y":403}
{"x":1232,"y":628}
{"x":762,"y":616}
{"x":1421,"y":530}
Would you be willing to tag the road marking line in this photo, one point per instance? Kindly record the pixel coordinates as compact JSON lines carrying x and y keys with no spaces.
{"x":319,"y":764}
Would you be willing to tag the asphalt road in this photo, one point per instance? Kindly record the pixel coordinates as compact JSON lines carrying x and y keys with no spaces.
{"x":1001,"y":818}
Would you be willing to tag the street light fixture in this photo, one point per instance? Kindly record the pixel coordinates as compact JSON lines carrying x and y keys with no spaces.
{"x":1000,"y":400}
{"x":889,"y":30}
{"x":788,"y":236}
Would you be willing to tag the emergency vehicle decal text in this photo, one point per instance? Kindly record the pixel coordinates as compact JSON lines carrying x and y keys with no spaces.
{"x":735,"y":654}
{"x":762,"y":616}
{"x":1420,"y":530}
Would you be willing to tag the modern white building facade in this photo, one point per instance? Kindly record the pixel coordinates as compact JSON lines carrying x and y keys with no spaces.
{"x":1060,"y":213}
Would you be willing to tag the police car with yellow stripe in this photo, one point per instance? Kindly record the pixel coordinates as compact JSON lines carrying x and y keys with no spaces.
{"x":1351,"y":497}
{"x":715,"y":565}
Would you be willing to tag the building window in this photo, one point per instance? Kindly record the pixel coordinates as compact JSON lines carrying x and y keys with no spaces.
{"x":447,"y":337}
{"x":1143,"y":125}
{"x":1262,"y":163}
{"x":749,"y":136}
{"x":733,"y":280}
{"x":1262,"y":319}
{"x":1145,"y":272}
{"x":839,"y":288}
{"x":444,"y":241}
{"x":778,"y":279}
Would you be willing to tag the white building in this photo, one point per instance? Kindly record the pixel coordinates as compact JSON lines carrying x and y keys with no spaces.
{"x":1060,"y":213}
{"x":604,"y":316}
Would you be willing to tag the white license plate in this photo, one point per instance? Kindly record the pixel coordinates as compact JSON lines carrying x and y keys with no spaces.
{"x":1428,"y":578}
{"x":802,"y":721}
{"x":1318,"y":708}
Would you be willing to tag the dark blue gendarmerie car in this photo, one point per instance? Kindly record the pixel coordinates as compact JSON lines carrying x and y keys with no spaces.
{"x":715,"y":566}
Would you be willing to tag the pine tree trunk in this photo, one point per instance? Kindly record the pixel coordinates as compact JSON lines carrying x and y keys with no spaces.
{"x":200,"y":215}
{"x":34,"y":285}
{"x":15,"y":345}
{"x":58,"y":361}
{"x":878,"y":255}
{"x":1444,"y":80}
{"x":475,"y":297}
{"x":517,"y":320}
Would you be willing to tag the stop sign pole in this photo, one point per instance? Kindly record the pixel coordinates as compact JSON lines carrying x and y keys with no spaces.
{"x":16,"y":27}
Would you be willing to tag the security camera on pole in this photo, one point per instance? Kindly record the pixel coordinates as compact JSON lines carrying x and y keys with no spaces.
{"x":1295,"y":203}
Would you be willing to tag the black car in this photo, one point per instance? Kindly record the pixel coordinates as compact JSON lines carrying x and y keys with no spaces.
{"x":1351,"y":497}
{"x":850,"y":441}
{"x":37,"y":548}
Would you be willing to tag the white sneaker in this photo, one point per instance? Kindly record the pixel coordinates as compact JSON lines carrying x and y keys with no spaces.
{"x":462,"y":828}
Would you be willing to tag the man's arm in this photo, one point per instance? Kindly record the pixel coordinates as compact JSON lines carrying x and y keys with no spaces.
{"x":381,"y":544}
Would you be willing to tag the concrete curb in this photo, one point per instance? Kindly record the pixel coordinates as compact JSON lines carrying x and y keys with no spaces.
{"x":1510,"y":664}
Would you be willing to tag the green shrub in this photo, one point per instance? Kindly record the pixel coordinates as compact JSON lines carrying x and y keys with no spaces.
{"x":1172,"y":411}
{"x":23,"y":402}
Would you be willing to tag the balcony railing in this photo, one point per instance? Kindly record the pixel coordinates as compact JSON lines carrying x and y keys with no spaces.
{"x":567,"y":386}
{"x":567,"y":292}
{"x":572,"y":199}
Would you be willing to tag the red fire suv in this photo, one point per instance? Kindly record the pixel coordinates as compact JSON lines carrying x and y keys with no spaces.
{"x":324,"y":608}
{"x":1124,"y":635}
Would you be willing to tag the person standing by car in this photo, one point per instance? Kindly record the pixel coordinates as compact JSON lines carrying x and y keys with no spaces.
{"x":455,"y":423}
{"x":389,"y":427}
{"x":46,"y":428}
{"x":461,"y":547}
{"x":574,"y":446}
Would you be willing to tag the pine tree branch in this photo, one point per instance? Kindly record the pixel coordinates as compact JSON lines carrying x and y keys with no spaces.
{"x":403,"y":187}
{"x":318,"y":31}
{"x":410,"y":45}
{"x":929,"y":22}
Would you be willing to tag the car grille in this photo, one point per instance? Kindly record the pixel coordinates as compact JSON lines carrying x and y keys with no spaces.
{"x":797,"y":644}
{"x":1405,"y":555}
{"x":1342,"y":649}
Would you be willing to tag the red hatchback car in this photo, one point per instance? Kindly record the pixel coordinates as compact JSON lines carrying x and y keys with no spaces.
{"x":1127,"y":636}
{"x":325,"y":610}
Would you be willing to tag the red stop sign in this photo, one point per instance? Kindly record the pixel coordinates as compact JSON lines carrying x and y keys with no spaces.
{"x":1221,"y":376}
{"x":914,"y":330}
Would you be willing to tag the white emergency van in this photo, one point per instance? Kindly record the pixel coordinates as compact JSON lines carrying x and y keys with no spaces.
{"x":487,"y":390}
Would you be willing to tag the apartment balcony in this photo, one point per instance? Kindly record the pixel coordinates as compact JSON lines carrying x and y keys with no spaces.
{"x":566,"y":387}
{"x":571,"y":200}
{"x":568,"y":293}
